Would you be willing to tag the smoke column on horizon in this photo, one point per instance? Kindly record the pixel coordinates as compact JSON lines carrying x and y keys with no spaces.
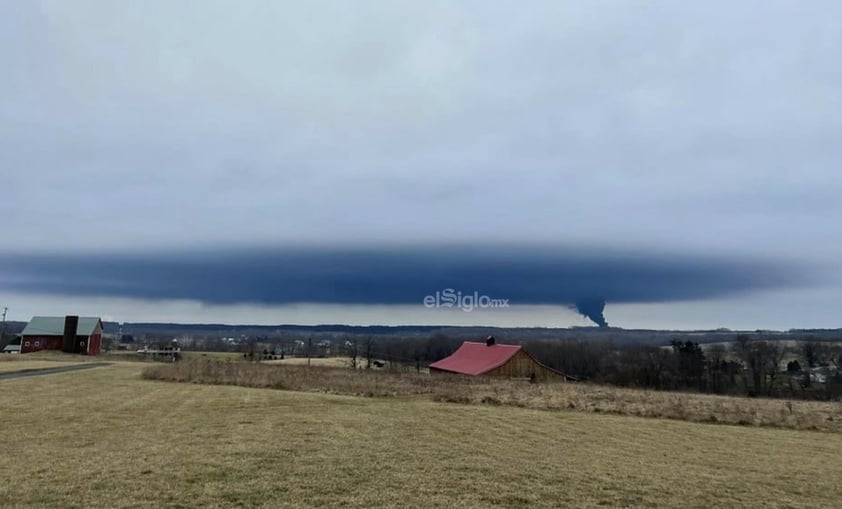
{"x":579,"y":279}
{"x":593,"y":309}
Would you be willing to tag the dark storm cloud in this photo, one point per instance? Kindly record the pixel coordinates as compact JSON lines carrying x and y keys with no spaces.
{"x":583,"y":279}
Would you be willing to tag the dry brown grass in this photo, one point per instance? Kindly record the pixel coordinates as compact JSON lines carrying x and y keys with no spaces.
{"x":332,"y":362}
{"x":804,"y":415}
{"x":26,"y":364}
{"x":37,"y":360}
{"x":706,"y":408}
{"x":55,"y":355}
{"x":220,"y":356}
{"x":106,"y":438}
{"x":326,"y":379}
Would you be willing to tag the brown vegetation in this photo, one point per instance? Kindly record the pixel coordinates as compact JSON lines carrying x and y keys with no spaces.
{"x":107,"y":438}
{"x":26,"y":364}
{"x":579,"y":396}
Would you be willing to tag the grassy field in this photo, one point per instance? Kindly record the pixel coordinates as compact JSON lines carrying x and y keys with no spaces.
{"x":224,"y":356}
{"x":25,"y":363}
{"x":50,"y":355}
{"x":38,"y":360}
{"x":808,"y":415}
{"x":107,"y":438}
{"x":334,"y":362}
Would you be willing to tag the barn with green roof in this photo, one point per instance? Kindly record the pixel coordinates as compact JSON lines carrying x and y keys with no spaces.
{"x":71,"y":334}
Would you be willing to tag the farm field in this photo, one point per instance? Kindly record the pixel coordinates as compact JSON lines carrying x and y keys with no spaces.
{"x":51,"y":356}
{"x":223,"y":356}
{"x":39,"y":360}
{"x":23,"y":364}
{"x":334,"y":362}
{"x":107,"y":438}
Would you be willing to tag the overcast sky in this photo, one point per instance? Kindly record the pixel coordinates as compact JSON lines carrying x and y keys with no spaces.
{"x":711,"y":128}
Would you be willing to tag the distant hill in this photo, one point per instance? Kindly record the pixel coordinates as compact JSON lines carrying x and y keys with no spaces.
{"x":391,"y":332}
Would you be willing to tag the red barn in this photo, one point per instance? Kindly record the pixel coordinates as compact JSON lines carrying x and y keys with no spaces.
{"x":491,"y":359}
{"x":70,"y":334}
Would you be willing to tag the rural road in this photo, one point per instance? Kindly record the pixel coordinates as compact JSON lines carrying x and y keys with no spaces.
{"x":51,"y":371}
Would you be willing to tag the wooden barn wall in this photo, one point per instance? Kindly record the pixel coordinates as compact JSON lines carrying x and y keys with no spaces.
{"x":94,"y":341}
{"x":94,"y":344}
{"x":30,"y":344}
{"x":523,"y":366}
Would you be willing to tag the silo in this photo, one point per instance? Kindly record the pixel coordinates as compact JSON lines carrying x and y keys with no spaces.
{"x":68,"y":344}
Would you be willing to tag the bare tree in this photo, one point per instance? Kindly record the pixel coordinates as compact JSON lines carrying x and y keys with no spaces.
{"x":716,"y":359}
{"x":762,"y":360}
{"x":773,"y":356}
{"x":810,"y":351}
{"x":353,"y":351}
{"x":250,"y":348}
{"x":751,"y":355}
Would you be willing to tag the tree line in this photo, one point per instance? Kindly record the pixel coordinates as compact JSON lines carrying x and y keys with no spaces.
{"x":745,"y":366}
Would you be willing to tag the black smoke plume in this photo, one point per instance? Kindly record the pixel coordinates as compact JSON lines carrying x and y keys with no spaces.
{"x":573,"y":277}
{"x":593,"y":309}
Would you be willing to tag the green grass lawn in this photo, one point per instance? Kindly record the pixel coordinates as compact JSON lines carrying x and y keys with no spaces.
{"x":106,"y":438}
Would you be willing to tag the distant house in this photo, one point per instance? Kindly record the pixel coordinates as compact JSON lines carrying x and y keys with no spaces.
{"x":70,"y":334}
{"x":491,"y":359}
{"x":11,"y":349}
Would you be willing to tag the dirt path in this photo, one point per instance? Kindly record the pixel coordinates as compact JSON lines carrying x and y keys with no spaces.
{"x":51,"y":371}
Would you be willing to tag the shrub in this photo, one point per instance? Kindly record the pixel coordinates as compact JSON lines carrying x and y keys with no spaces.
{"x":486,"y":391}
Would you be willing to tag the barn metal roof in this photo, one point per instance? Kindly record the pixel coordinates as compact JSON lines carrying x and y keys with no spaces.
{"x":54,"y":326}
{"x":473,"y":358}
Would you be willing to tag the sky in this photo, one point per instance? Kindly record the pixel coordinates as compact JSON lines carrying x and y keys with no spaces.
{"x":167,"y":142}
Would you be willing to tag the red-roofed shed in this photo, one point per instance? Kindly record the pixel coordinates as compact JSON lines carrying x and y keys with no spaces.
{"x":491,"y":359}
